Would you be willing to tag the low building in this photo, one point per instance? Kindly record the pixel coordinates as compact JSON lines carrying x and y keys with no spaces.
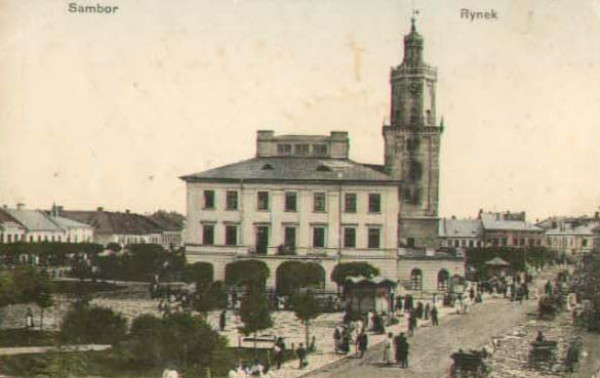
{"x":123,"y":228}
{"x":572,"y":237}
{"x":460,"y":233}
{"x":35,"y":226}
{"x":510,"y":230}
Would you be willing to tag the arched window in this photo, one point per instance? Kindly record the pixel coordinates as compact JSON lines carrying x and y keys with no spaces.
{"x":416,"y":279}
{"x":443,"y":280}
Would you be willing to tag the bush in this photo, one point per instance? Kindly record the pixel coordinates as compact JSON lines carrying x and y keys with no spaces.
{"x":200,"y":273}
{"x":182,"y":339}
{"x":294,"y":275}
{"x":92,"y":325}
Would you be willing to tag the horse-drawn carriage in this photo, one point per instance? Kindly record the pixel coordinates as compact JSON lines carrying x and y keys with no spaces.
{"x":469,"y":364}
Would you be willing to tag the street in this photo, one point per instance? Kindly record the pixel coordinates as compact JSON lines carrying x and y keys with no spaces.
{"x":431,"y":347}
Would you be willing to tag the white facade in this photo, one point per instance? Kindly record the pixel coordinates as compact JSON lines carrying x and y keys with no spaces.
{"x":334,"y":220}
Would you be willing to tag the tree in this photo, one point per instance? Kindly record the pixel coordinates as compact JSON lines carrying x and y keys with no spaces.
{"x":209,"y":297}
{"x":43,"y":295}
{"x":345,"y":270}
{"x":115,"y":247}
{"x":249,"y":273}
{"x":295,"y":275}
{"x":254,"y":312}
{"x":200,"y":273}
{"x":306,"y":308}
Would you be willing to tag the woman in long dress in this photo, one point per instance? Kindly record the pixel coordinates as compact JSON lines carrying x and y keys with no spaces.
{"x":387,"y":349}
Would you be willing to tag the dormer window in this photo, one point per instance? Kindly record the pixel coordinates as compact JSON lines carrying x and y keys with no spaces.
{"x":267,"y":167}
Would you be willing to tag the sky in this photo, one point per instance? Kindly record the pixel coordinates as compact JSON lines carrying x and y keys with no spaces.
{"x":109,"y":110}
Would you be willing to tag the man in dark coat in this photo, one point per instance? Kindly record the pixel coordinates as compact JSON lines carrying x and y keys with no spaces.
{"x":223,"y":320}
{"x":434,"y":316}
{"x":402,"y":350}
{"x":363,"y":342}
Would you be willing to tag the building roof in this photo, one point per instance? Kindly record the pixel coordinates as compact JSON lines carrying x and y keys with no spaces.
{"x":66,"y":223}
{"x":107,"y":222}
{"x":168,"y":221}
{"x":33,"y":220}
{"x":464,"y":228}
{"x":503,"y":222}
{"x":497,"y":261}
{"x":7,"y":222}
{"x":274,"y":169}
{"x":377,"y":280}
{"x":571,"y":229}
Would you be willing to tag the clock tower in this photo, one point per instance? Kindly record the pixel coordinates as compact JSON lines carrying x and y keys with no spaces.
{"x":412,"y":144}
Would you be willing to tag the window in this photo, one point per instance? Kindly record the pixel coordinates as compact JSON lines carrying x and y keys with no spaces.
{"x":319,"y":203}
{"x":284,"y":149}
{"x":301,"y":149}
{"x":208,"y":234}
{"x":9,"y":238}
{"x":289,"y":237}
{"x":319,"y":149}
{"x":471,"y":244}
{"x":456,"y":243}
{"x":231,"y":200}
{"x":209,"y":199}
{"x":443,"y":279}
{"x":318,"y":237}
{"x":231,"y":234}
{"x":374,"y":203}
{"x":349,"y":237}
{"x":416,"y":279}
{"x":584,"y":243}
{"x":262,"y":239}
{"x":291,"y":203}
{"x":350,"y":203}
{"x":262,"y":201}
{"x":373,"y":237}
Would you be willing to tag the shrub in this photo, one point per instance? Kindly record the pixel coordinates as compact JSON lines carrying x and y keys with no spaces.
{"x":250,"y":273}
{"x":99,"y":325}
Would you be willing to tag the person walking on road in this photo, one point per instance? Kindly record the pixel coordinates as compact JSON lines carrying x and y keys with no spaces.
{"x":301,"y":354}
{"x":223,"y":320}
{"x":434,"y":316}
{"x":363,"y":342}
{"x":387,"y":349}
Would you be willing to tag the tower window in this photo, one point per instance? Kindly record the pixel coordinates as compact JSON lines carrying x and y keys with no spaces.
{"x":301,"y":149}
{"x":320,"y":149}
{"x":284,"y":149}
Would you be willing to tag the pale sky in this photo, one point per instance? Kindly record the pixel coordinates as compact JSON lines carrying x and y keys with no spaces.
{"x":109,"y":110}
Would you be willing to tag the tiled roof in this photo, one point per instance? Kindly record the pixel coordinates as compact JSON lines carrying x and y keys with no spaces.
{"x":168,"y":221}
{"x":66,"y":223}
{"x":293,"y":169}
{"x":107,"y":222}
{"x":467,"y":228}
{"x":495,"y":221}
{"x":33,"y":220}
{"x":566,"y":230}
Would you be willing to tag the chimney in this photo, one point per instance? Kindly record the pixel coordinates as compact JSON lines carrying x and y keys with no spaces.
{"x":20,"y":206}
{"x":100,"y":208}
{"x":56,"y":210}
{"x":126,"y":211}
{"x":454,"y":217}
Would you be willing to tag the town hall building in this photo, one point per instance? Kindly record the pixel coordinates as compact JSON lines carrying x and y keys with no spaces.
{"x":302,"y":198}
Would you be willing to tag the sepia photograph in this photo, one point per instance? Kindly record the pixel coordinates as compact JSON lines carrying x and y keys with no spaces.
{"x":299,"y":189}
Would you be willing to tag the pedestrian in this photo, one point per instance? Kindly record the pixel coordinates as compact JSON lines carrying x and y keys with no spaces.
{"x":223,"y":320}
{"x":427,"y":311}
{"x":313,"y":345}
{"x":434,"y":316}
{"x":29,"y":318}
{"x":399,"y":303}
{"x":404,"y":352}
{"x":363,"y":343}
{"x":337,"y":338}
{"x":419,"y":310}
{"x":387,"y":349}
{"x":278,"y":351}
{"x":301,"y":354}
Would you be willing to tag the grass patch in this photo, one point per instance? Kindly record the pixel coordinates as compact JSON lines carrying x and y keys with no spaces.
{"x":116,"y":363}
{"x":24,"y":337}
{"x":83,"y":287}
